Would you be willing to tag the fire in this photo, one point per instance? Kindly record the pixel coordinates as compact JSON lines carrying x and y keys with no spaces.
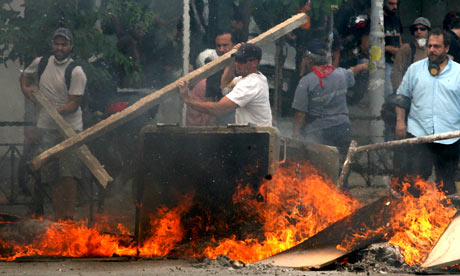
{"x":421,"y":221}
{"x":78,"y":239}
{"x":416,"y":224}
{"x":290,"y":208}
{"x":298,"y":204}
{"x":293,"y":206}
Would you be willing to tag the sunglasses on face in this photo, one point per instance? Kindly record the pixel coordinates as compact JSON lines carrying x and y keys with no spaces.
{"x":420,"y":28}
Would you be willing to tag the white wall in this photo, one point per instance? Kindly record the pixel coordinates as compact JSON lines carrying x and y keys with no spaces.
{"x":11,"y":99}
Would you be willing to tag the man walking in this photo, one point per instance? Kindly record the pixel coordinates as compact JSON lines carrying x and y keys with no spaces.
{"x":51,"y":72}
{"x":433,"y":87}
{"x":320,"y":99}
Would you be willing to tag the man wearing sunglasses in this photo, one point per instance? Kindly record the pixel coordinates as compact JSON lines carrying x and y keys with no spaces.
{"x":249,"y":97}
{"x":411,"y":52}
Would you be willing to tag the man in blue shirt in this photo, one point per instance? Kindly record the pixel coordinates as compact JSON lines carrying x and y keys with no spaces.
{"x":433,"y":86}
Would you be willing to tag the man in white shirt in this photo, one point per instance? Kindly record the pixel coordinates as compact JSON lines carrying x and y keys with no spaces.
{"x":250,"y":95}
{"x":65,"y":94}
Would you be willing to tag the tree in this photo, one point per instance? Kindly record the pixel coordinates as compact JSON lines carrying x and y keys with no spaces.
{"x":22,"y":38}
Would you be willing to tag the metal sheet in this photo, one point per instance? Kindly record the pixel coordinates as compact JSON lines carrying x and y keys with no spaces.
{"x":366,"y":226}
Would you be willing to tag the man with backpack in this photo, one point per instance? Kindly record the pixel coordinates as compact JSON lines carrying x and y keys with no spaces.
{"x":63,"y":84}
{"x":411,"y":52}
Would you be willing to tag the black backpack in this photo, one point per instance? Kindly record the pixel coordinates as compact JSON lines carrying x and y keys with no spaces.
{"x":68,"y":71}
{"x":388,"y":112}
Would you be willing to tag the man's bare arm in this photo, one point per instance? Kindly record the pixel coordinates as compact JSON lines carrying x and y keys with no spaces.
{"x":26,"y":86}
{"x":71,"y":106}
{"x":358,"y":68}
{"x":223,"y":106}
{"x":299,"y":119}
{"x":401,"y":128}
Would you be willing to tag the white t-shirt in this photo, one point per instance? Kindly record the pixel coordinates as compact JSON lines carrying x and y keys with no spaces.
{"x":251,"y":95}
{"x":52,"y":85}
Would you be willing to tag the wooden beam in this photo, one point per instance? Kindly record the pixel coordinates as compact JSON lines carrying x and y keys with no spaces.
{"x":446,"y":251}
{"x":151,"y":100}
{"x":364,"y":227}
{"x":67,"y":131}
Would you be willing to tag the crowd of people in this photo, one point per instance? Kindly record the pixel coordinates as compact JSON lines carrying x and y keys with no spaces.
{"x":423,"y":74}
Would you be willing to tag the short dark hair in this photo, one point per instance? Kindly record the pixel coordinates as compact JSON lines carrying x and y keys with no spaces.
{"x":456,"y":24}
{"x":445,"y":36}
{"x":449,"y":19}
{"x":225,"y":31}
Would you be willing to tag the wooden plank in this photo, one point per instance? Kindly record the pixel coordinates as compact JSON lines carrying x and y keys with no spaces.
{"x":151,"y":100}
{"x":446,"y":251}
{"x":67,"y":131}
{"x":364,"y":227}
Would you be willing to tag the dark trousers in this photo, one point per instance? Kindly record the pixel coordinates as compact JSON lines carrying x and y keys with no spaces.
{"x":418,"y":160}
{"x":337,"y":136}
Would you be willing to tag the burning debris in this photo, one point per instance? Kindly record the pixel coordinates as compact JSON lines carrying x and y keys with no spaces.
{"x":293,"y":209}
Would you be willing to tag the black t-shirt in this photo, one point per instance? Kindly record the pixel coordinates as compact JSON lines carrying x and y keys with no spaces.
{"x":393,"y":31}
{"x":454,"y":49}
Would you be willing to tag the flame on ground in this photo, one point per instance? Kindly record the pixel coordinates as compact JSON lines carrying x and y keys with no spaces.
{"x":421,"y":221}
{"x":416,"y":224}
{"x":297,"y":203}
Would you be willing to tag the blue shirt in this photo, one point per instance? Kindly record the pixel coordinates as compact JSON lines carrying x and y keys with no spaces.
{"x":435,"y":100}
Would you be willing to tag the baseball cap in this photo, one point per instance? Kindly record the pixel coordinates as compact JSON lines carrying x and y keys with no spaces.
{"x":248,"y":50}
{"x":317,"y":47}
{"x":64,"y":33}
{"x":420,"y":21}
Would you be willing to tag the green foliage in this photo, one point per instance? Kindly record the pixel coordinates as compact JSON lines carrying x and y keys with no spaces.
{"x":127,"y":13}
{"x":268,"y":13}
{"x":22,"y":38}
{"x":323,"y":7}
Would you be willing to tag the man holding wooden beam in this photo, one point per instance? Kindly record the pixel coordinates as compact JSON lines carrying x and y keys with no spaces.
{"x":63,"y":84}
{"x":249,"y":97}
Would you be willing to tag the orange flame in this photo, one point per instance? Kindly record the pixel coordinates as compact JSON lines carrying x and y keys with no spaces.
{"x":292,"y":207}
{"x":421,"y":221}
{"x":298,"y":204}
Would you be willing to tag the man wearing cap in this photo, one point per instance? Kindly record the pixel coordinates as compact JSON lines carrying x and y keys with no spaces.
{"x":249,"y":97}
{"x":320,"y":99}
{"x":61,"y":173}
{"x":411,"y":52}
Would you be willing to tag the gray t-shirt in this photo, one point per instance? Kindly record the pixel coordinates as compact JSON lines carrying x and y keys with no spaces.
{"x":325,"y":107}
{"x":52,"y":85}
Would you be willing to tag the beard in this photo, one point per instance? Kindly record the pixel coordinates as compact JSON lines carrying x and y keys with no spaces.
{"x":437,"y":59}
{"x":389,"y":11}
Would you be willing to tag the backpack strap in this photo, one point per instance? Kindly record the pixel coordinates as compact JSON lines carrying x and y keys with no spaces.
{"x":42,"y":65}
{"x":412,"y":50}
{"x":68,"y":73}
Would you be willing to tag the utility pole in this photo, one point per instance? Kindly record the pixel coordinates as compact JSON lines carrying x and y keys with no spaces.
{"x":185,"y":50}
{"x":376,"y":70}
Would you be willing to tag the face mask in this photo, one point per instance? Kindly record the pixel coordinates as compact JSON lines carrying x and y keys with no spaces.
{"x":421,"y":42}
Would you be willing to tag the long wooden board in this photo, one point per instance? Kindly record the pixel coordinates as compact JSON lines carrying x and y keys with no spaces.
{"x":446,"y":252}
{"x":364,"y":227}
{"x":67,"y":131}
{"x":151,"y":100}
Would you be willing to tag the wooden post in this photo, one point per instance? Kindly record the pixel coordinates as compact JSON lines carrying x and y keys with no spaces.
{"x":416,"y":140}
{"x":346,"y":165}
{"x":67,"y":131}
{"x":151,"y":100}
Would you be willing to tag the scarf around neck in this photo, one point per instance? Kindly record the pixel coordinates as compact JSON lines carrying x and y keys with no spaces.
{"x":322,"y":72}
